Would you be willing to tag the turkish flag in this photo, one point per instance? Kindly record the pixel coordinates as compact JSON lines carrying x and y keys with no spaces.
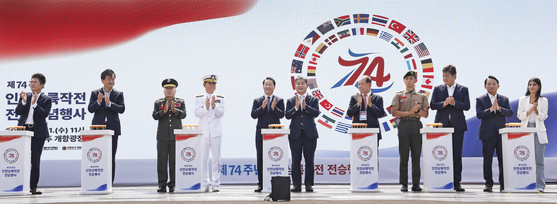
{"x":396,"y":26}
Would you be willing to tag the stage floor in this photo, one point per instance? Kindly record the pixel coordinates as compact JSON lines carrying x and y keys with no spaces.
{"x":243,"y":193}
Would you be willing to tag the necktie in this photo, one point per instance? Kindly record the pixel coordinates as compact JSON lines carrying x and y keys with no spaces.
{"x":268,"y":104}
{"x":364,"y":101}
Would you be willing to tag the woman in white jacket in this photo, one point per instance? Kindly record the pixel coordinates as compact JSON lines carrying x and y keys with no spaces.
{"x":532,"y":111}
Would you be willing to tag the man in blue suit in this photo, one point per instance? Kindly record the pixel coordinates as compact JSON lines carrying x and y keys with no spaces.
{"x":33,"y":109}
{"x":366,"y":107}
{"x":491,"y":109}
{"x":301,"y":109}
{"x":267,"y":109}
{"x":107,"y":103}
{"x":451,"y":100}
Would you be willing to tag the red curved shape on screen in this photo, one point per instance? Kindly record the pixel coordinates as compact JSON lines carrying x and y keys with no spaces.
{"x":43,"y":27}
{"x":9,"y":138}
{"x":184,"y":137}
{"x":87,"y":138}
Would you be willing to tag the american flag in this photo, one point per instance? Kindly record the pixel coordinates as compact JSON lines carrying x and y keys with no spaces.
{"x":421,"y":50}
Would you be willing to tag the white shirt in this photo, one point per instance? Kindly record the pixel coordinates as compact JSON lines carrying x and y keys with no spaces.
{"x":450,"y":89}
{"x":492,"y":98}
{"x":301,"y":97}
{"x":532,"y":116}
{"x":108,"y":105}
{"x":31,"y":109}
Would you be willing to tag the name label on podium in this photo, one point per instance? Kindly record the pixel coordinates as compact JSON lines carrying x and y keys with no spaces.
{"x":519,"y":159}
{"x":275,"y":155}
{"x":15,"y":147}
{"x":189,"y":160}
{"x":437,"y":148}
{"x":96,"y":161}
{"x":363,"y":160}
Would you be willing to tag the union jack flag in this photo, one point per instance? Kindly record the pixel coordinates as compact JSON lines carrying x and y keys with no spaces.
{"x":411,"y":36}
{"x":317,"y":93}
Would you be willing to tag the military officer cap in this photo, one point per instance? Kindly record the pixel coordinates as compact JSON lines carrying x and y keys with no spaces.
{"x":411,"y":73}
{"x":210,"y":78}
{"x":169,"y":82}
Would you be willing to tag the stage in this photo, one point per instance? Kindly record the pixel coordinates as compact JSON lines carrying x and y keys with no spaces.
{"x":244,"y":193}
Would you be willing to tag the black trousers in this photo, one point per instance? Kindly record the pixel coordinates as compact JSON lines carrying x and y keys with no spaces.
{"x":37,"y":145}
{"x":114,"y":148}
{"x":409,"y":140}
{"x":305,"y":146}
{"x":489,"y":146}
{"x":166,"y":159}
{"x":458,"y":140}
{"x":259,"y":148}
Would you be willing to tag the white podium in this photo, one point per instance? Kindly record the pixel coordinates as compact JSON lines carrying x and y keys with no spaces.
{"x":275,"y":155}
{"x":96,"y":161}
{"x":189,"y":160}
{"x":519,"y":160}
{"x":363,"y":160}
{"x":16,"y":168}
{"x":437,"y":148}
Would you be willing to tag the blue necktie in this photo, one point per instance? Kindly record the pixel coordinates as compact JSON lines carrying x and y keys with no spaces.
{"x":268,"y":104}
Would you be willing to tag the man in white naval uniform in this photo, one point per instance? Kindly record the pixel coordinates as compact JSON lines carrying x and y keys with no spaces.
{"x":209,"y":108}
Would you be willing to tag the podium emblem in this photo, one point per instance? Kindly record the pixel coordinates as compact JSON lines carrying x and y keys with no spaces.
{"x":275,"y":153}
{"x":11,"y":155}
{"x":94,"y":155}
{"x":439,"y":153}
{"x":365,"y":153}
{"x":521,"y":153}
{"x":188,"y":154}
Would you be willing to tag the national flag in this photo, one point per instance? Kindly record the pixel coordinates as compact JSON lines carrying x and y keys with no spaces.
{"x":404,"y":50}
{"x":332,"y":39}
{"x":293,"y":82}
{"x":354,"y":31}
{"x":394,"y":122}
{"x":301,"y":51}
{"x":347,"y":117}
{"x":338,"y":112}
{"x":342,"y":127}
{"x":372,"y":32}
{"x":396,"y":26}
{"x":411,"y":65}
{"x":427,"y":86}
{"x":408,"y":56}
{"x":328,"y":118}
{"x":321,"y":48}
{"x":325,"y":27}
{"x":389,"y":109}
{"x":425,"y":92}
{"x":379,"y":20}
{"x":343,"y":34}
{"x":312,"y":37}
{"x":342,"y":21}
{"x":386,"y":126}
{"x":317,"y":93}
{"x":421,"y":49}
{"x":427,"y":65}
{"x":314,"y":58}
{"x":296,"y":66}
{"x":361,"y":18}
{"x":311,"y":71}
{"x":385,"y":36}
{"x":325,"y":104}
{"x":325,"y":123}
{"x":397,"y":43}
{"x":411,"y":36}
{"x":312,"y":83}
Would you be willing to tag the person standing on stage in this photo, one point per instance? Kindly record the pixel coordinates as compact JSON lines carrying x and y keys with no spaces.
{"x":491,"y":109}
{"x":451,"y":100}
{"x":169,"y":111}
{"x":532,"y":111}
{"x":107,"y":103}
{"x":410,"y":105}
{"x":267,"y":109}
{"x":209,"y":108}
{"x":33,"y":108}
{"x":301,"y":109}
{"x":366,"y":107}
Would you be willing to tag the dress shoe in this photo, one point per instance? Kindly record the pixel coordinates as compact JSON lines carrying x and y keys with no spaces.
{"x":216,"y":189}
{"x":207,"y":188}
{"x":161,"y":189}
{"x":258,"y":189}
{"x":309,"y":189}
{"x":296,"y":189}
{"x":416,"y":188}
{"x":35,"y":192}
{"x":404,"y":188}
{"x":458,"y":188}
{"x":488,"y":189}
{"x":171,"y":189}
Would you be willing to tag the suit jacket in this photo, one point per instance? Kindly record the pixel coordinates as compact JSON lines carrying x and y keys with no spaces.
{"x":524,"y":106}
{"x":209,"y":119}
{"x":110,"y":113}
{"x":265,"y":118}
{"x":491,"y":122}
{"x":44,"y":103}
{"x":304,"y":117}
{"x":373,"y":113}
{"x":462,"y":103}
{"x":171,"y":120}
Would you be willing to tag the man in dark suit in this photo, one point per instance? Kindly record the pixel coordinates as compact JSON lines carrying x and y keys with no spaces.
{"x":301,"y":109}
{"x":33,"y":109}
{"x":491,"y":109}
{"x":267,"y":109}
{"x":366,"y":107}
{"x":451,"y":100}
{"x":106,"y":103}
